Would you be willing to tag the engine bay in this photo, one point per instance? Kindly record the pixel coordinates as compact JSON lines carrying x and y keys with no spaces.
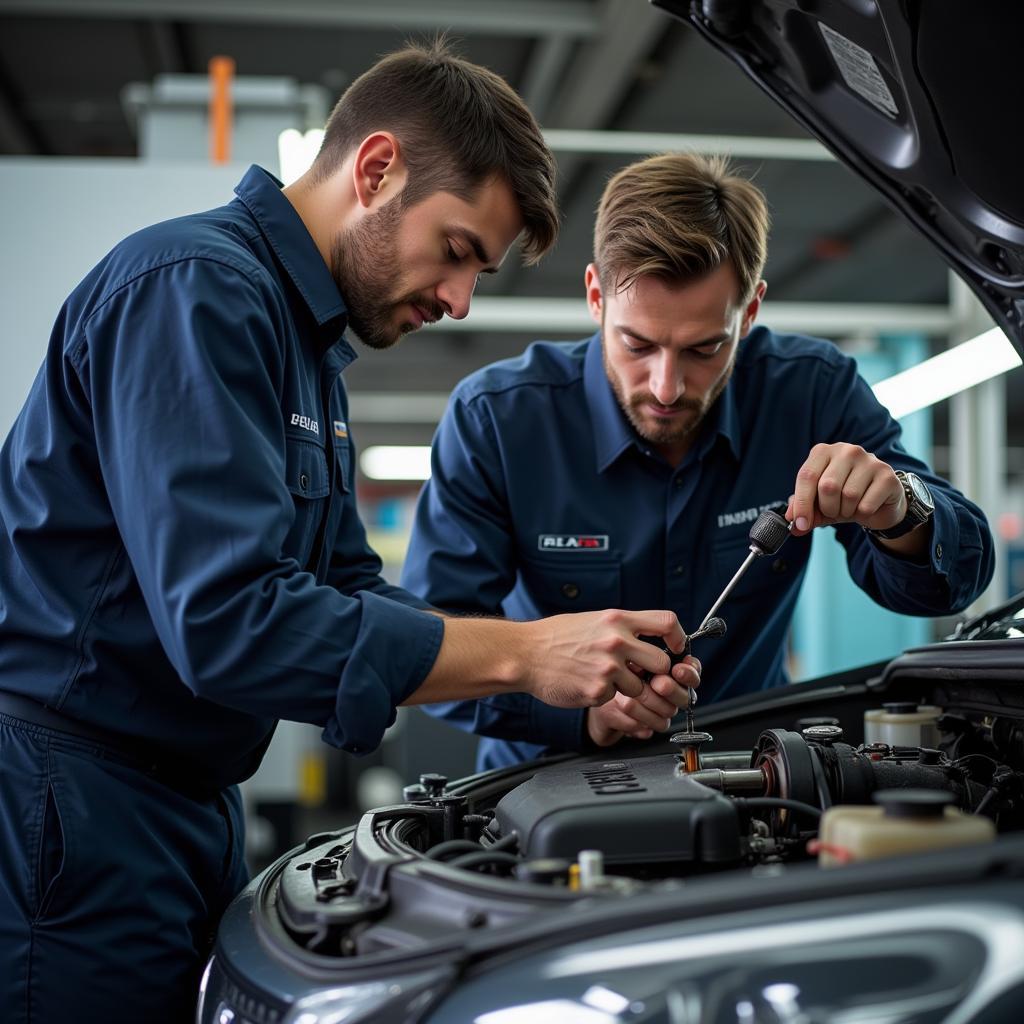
{"x":940,"y":767}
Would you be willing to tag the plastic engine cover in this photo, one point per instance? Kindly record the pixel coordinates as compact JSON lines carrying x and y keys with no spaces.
{"x":636,"y":812}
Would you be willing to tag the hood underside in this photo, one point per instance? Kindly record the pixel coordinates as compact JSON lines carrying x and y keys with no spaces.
{"x":917,"y":98}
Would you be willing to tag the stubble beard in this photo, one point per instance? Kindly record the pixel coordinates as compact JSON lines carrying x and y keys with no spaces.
{"x":671,"y":433}
{"x":365,"y":267}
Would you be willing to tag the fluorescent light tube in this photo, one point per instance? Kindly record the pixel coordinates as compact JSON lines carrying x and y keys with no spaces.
{"x":948,"y":373}
{"x":396,"y":462}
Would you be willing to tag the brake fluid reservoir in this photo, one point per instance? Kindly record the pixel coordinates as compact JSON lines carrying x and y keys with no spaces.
{"x":903,"y":724}
{"x":905,"y":821}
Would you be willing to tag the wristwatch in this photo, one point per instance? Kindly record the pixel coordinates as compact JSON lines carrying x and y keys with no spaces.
{"x":920,"y":507}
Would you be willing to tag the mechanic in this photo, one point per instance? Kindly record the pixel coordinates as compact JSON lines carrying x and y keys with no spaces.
{"x":181,"y":559}
{"x":627,"y":469}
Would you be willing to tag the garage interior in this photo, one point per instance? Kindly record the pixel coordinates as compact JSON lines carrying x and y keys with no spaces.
{"x":105,"y":127}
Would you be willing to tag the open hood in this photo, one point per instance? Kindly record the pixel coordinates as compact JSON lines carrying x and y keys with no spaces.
{"x":919,"y":99}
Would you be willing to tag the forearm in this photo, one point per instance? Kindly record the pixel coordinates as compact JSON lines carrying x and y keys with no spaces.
{"x":567,"y":661}
{"x":478,"y":658}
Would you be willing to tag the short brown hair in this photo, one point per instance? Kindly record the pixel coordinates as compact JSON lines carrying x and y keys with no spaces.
{"x":679,"y":216}
{"x":459,"y":124}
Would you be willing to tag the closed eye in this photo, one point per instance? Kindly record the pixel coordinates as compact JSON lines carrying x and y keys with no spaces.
{"x":635,"y":350}
{"x":706,"y":351}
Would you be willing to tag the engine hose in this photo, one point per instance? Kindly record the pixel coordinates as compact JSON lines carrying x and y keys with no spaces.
{"x":778,"y":803}
{"x":481,"y":857}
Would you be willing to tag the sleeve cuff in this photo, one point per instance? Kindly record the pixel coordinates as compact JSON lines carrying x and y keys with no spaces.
{"x":395,"y":648}
{"x":942,"y":549}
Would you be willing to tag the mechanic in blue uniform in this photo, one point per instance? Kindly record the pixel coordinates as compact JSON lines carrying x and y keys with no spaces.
{"x":626,"y":469}
{"x":181,"y":559}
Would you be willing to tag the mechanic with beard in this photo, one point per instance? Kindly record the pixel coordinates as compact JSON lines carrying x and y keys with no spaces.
{"x":181,"y":559}
{"x":627,"y":469}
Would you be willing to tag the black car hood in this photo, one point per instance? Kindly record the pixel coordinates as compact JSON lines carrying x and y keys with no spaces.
{"x":919,"y":99}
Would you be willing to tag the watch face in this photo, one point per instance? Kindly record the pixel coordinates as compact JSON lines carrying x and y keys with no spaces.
{"x":921,"y":492}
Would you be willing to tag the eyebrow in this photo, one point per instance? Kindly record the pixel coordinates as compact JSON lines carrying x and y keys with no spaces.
{"x":472,"y":239}
{"x":718,"y":339}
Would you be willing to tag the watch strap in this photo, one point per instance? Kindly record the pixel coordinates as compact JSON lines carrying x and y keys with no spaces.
{"x":915,"y":516}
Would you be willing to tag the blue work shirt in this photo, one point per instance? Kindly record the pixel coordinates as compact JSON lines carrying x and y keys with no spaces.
{"x":181,"y":559}
{"x":543,"y":499}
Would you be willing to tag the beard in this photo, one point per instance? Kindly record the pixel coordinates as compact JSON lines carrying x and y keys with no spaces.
{"x":365,"y":267}
{"x":674,"y":431}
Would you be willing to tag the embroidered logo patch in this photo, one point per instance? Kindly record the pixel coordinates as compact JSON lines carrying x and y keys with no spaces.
{"x":306,"y":422}
{"x":340,"y":428}
{"x":573,"y":542}
{"x":748,"y":515}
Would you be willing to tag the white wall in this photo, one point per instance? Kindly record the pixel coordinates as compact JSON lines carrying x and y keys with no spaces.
{"x":57,"y":218}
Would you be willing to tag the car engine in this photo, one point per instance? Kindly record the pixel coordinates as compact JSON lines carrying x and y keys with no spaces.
{"x":492,"y":851}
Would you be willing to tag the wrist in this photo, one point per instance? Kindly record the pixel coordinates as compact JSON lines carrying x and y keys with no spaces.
{"x":918,"y":508}
{"x":514,"y":645}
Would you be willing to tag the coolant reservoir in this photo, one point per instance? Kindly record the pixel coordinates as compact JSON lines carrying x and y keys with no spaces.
{"x":903,"y":724}
{"x":905,"y":821}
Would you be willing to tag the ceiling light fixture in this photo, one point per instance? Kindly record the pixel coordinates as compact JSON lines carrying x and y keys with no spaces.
{"x":948,"y":373}
{"x":396,"y":462}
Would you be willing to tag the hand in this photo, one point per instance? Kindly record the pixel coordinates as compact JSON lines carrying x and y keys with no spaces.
{"x":652,"y":711}
{"x":842,"y":483}
{"x":583,"y":660}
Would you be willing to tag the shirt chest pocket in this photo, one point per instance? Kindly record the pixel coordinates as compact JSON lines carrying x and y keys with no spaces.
{"x":573,"y":583}
{"x":309,"y":482}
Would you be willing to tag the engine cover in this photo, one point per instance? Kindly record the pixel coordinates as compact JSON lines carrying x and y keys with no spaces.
{"x":636,"y":812}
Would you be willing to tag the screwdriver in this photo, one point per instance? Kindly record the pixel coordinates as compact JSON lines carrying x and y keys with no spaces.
{"x":767,"y":535}
{"x":712,"y":627}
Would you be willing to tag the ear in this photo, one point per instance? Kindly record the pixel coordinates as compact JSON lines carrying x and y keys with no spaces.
{"x":753,"y":308}
{"x":595,"y":297}
{"x":379,"y":171}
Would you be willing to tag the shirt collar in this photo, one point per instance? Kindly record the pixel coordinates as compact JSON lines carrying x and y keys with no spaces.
{"x":613,"y":433}
{"x":280,"y":222}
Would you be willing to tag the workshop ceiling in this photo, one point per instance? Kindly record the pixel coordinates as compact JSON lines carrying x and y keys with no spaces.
{"x":582,"y":64}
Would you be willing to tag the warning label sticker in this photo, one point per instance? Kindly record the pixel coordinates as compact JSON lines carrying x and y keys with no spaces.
{"x":860,"y":71}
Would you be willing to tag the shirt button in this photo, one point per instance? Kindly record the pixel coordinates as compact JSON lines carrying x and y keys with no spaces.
{"x":570,"y":590}
{"x":304,"y":481}
{"x":780,"y":565}
{"x":678,"y":482}
{"x":938,"y":552}
{"x":678,"y":570}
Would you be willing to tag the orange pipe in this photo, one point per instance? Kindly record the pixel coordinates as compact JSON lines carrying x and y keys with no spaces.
{"x":221,"y":71}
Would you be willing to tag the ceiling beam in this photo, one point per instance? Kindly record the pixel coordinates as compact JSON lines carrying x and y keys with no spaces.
{"x":466,"y":17}
{"x":591,"y":90}
{"x":604,"y":70}
{"x":544,"y":71}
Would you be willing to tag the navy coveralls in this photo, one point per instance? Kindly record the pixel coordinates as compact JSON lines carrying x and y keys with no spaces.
{"x":543,"y":499}
{"x":181,"y":564}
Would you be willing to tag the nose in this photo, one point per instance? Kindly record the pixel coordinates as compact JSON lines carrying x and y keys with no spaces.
{"x":455,"y":294}
{"x":666,"y":381}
